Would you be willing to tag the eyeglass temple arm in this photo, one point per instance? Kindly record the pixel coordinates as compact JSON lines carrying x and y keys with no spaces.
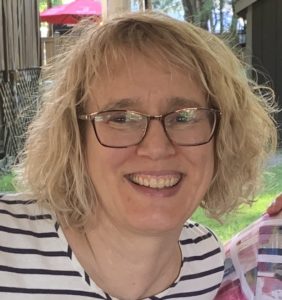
{"x":88,"y":117}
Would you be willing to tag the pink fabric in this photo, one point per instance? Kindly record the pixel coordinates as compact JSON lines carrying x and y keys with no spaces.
{"x":253,"y":264}
{"x":72,"y":12}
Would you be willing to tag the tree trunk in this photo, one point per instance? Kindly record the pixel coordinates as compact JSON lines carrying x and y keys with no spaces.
{"x":204,"y":13}
{"x":50,"y":26}
{"x":148,"y":4}
{"x":233,"y":26}
{"x":195,"y":12}
{"x":221,"y":4}
{"x":189,"y":7}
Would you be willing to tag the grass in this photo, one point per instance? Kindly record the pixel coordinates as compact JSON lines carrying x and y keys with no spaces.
{"x":6,"y":184}
{"x":246,"y":214}
{"x":235,"y":222}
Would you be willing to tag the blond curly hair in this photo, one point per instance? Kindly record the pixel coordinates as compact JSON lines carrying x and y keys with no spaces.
{"x":53,"y":167}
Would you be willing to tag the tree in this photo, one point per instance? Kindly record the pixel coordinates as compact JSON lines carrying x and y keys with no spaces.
{"x":197,"y":11}
{"x":168,"y":6}
{"x":210,"y":14}
{"x":44,"y":4}
{"x":233,"y":27}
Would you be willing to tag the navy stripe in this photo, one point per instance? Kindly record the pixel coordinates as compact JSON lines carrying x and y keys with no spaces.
{"x":191,"y":225}
{"x":25,"y":216}
{"x":12,"y":202}
{"x":270,"y":251}
{"x":228,"y":270}
{"x":191,"y":294}
{"x":108,"y":296}
{"x":212,"y":233}
{"x":202,"y":274}
{"x":196,"y":240}
{"x":57,"y":226}
{"x":39,"y":271}
{"x":87,"y":279}
{"x":69,"y":252}
{"x":28,"y":232}
{"x":32,"y":251}
{"x":203,"y":256}
{"x":49,"y":292}
{"x":45,"y":271}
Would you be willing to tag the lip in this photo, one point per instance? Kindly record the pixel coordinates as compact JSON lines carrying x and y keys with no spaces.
{"x":153,"y":192}
{"x":157,"y":173}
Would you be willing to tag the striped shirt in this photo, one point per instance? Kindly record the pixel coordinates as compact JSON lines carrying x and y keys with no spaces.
{"x":37,"y":263}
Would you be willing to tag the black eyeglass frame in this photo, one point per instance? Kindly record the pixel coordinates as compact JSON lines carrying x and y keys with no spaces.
{"x":91,"y":117}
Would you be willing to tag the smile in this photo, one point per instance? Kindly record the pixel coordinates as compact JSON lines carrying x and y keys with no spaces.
{"x":155,"y":182}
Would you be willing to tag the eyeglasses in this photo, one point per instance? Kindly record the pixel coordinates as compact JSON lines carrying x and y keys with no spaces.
{"x":125,"y":128}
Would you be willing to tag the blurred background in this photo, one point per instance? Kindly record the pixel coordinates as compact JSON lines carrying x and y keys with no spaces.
{"x":33,"y":32}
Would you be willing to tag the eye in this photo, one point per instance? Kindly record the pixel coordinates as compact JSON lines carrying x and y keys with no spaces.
{"x":109,"y":117}
{"x":125,"y":117}
{"x":185,"y":116}
{"x":120,"y":117}
{"x":121,"y":120}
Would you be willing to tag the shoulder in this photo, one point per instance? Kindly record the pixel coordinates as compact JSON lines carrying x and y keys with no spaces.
{"x":194,"y":233}
{"x":15,"y":198}
{"x":202,"y":263}
{"x":20,"y":209}
{"x":202,"y":250}
{"x":24,"y":225}
{"x":201,"y":242}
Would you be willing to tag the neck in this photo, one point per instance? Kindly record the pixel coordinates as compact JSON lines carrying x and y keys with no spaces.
{"x":129,"y":265}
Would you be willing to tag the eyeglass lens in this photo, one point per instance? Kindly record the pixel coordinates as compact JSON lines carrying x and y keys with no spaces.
{"x":126,"y":128}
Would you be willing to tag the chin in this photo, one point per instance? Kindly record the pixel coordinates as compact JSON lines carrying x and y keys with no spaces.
{"x":157,"y":224}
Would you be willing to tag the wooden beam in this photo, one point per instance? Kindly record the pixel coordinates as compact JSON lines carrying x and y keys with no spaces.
{"x":243,"y":4}
{"x":114,"y":7}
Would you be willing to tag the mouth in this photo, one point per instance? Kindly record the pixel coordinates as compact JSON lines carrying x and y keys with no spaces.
{"x":157,"y":182}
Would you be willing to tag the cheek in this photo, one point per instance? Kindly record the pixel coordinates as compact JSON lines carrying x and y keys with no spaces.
{"x":201,"y":156}
{"x":201,"y":161}
{"x":206,"y":162}
{"x":103,"y":163}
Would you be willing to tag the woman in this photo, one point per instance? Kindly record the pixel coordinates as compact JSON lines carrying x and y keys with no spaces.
{"x":146,"y":119}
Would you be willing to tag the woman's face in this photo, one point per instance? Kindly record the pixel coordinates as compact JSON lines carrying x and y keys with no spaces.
{"x":131,"y":205}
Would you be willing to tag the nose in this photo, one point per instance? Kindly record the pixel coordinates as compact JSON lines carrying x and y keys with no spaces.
{"x":156,"y":144}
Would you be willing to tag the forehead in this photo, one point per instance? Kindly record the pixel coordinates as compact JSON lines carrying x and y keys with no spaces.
{"x":141,"y":83}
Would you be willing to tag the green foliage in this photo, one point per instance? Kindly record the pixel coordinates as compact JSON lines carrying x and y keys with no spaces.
{"x":208,"y":14}
{"x":6,"y":183}
{"x":168,"y":6}
{"x":43,"y":3}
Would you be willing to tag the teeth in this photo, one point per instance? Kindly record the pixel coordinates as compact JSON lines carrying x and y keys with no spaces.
{"x":154,"y":182}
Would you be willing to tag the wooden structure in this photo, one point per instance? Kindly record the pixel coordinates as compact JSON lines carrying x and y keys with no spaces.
{"x":19,"y":68}
{"x":264,"y":42}
{"x":19,"y":34}
{"x":53,"y":46}
{"x":112,"y":7}
{"x":48,"y":49}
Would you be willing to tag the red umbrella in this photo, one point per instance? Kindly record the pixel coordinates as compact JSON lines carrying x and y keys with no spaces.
{"x":72,"y":12}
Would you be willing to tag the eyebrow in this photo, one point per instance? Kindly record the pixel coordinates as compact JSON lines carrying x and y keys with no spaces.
{"x":172,"y":103}
{"x":175,"y":103}
{"x":124,"y":103}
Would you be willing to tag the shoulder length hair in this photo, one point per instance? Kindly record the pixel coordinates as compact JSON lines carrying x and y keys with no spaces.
{"x":52,"y":166}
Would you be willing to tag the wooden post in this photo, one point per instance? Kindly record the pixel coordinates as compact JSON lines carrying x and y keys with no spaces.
{"x":113,"y":7}
{"x":5,"y":42}
{"x":50,"y":26}
{"x":148,"y":4}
